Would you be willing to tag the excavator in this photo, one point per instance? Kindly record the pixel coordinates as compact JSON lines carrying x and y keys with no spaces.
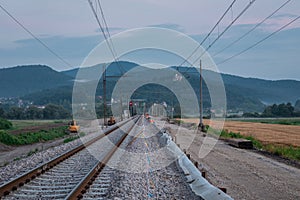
{"x":111,"y":121}
{"x":73,"y":127}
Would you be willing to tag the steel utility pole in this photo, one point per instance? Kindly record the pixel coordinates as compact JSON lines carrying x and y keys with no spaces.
{"x":104,"y":96}
{"x":121,"y":109}
{"x":201,"y":125}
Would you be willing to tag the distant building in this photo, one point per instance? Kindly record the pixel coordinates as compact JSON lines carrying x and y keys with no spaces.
{"x":238,"y":114}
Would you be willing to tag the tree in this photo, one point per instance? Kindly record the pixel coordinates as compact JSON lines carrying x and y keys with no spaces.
{"x":34,"y":113}
{"x":297,"y":105}
{"x":2,"y":113}
{"x":15,"y":113}
{"x":52,"y":111}
{"x":281,"y":110}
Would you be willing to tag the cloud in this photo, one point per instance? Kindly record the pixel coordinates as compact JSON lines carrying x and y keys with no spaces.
{"x":275,"y":58}
{"x":112,"y":30}
{"x":172,"y":26}
{"x":27,"y":51}
{"x":284,"y":15}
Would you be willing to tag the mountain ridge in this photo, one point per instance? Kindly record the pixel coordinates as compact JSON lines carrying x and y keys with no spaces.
{"x":249,"y":94}
{"x":21,"y":80}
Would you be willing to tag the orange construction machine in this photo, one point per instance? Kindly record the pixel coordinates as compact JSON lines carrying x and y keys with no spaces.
{"x":73,"y":127}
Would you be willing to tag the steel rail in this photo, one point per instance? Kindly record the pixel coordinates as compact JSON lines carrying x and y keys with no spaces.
{"x":21,"y":180}
{"x":87,"y":181}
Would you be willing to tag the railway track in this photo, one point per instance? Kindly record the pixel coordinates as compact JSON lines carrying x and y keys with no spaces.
{"x":57,"y":178}
{"x":108,"y":168}
{"x":123,"y":179}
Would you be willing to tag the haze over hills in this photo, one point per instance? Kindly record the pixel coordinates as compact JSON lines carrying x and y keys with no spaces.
{"x":43,"y":85}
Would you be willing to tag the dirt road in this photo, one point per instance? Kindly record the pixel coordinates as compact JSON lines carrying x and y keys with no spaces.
{"x":245,"y":174}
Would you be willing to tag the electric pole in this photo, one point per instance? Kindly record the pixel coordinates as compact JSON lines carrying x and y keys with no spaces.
{"x":104,"y":96}
{"x":201,"y":126}
{"x":121,"y":109}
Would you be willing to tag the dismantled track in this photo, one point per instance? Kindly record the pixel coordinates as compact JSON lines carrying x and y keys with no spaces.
{"x":58,"y":177}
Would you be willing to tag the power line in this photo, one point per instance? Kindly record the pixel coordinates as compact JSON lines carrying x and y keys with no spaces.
{"x":108,"y":40}
{"x":251,"y":30}
{"x":101,"y":28}
{"x":226,"y":29}
{"x":260,"y":41}
{"x":219,"y":36}
{"x":107,"y":30}
{"x":103,"y":17}
{"x":211,"y":31}
{"x":35,"y":37}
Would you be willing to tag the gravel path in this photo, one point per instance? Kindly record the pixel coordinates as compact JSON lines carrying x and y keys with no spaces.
{"x":144,"y":176}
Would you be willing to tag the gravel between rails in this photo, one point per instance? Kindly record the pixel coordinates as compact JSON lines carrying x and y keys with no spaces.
{"x":61,"y":179}
{"x":151,"y":180}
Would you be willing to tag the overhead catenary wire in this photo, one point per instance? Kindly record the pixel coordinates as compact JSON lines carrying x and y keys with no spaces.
{"x":251,"y":30}
{"x":223,"y":32}
{"x":226,"y":29}
{"x":108,"y":32}
{"x":107,"y":38}
{"x":101,"y":27}
{"x":211,"y":31}
{"x":35,"y":37}
{"x":260,"y":41}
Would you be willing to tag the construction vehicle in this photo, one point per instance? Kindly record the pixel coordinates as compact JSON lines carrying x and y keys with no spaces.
{"x":73,"y":127}
{"x":111,"y":121}
{"x":147,"y":116}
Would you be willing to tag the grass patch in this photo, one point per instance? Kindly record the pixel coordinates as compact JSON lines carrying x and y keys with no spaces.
{"x":32,"y":152}
{"x":284,"y":151}
{"x":81,"y":134}
{"x":58,"y":121}
{"x":30,"y":138}
{"x":70,"y":139}
{"x":5,"y":124}
{"x":178,"y":121}
{"x":289,"y":152}
{"x":283,"y":121}
{"x":20,"y":124}
{"x":17,"y":158}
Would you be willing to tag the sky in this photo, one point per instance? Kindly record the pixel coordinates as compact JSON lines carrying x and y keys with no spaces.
{"x":69,"y":28}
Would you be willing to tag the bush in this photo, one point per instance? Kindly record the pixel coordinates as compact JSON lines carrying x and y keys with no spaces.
{"x":5,"y":124}
{"x":30,"y":138}
{"x":8,"y":139}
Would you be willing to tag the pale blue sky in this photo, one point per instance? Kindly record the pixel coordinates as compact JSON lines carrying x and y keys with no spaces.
{"x":69,"y":28}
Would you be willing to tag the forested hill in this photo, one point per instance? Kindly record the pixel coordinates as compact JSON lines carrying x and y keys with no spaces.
{"x":266,"y":91}
{"x":22,"y":80}
{"x":43,"y":85}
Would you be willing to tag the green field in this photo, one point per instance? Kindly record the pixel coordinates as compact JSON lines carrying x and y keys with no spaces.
{"x":25,"y":132}
{"x":20,"y":124}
